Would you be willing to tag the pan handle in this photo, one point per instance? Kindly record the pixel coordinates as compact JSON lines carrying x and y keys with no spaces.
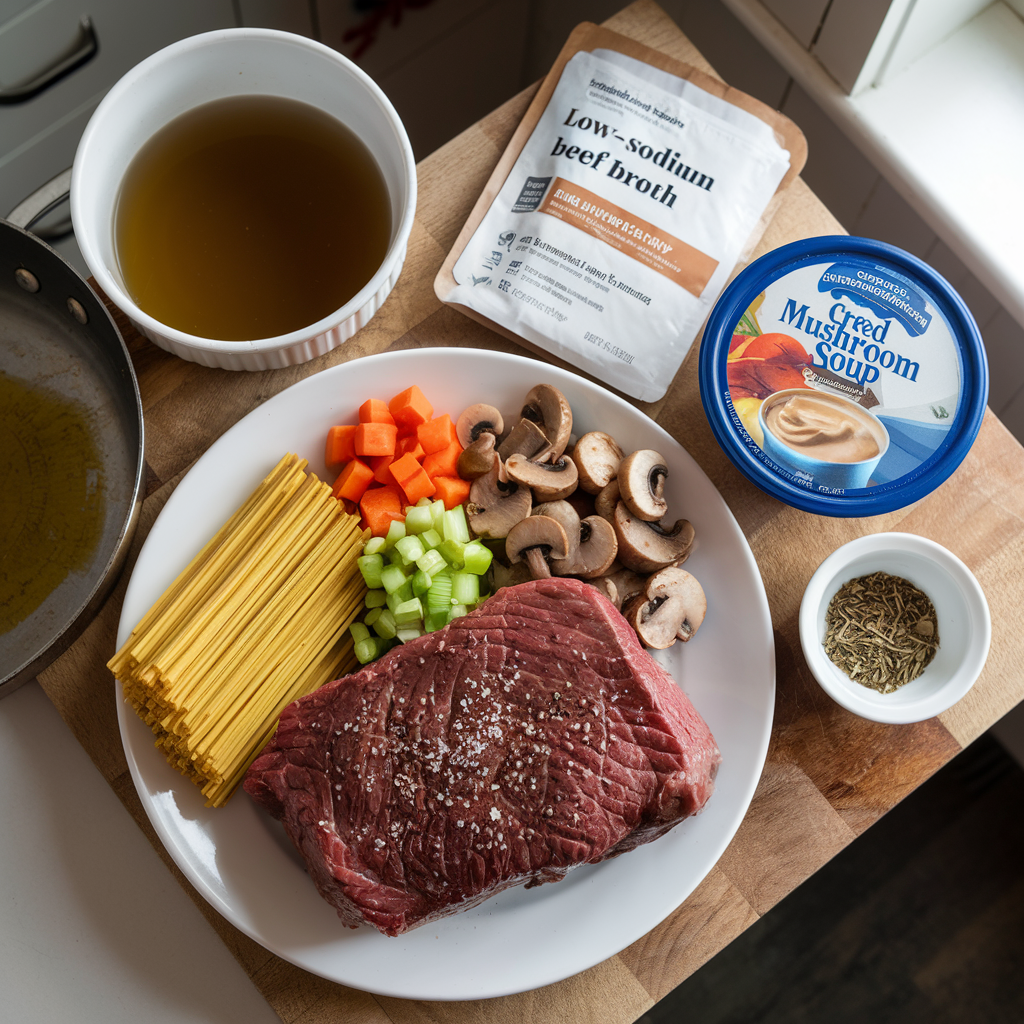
{"x":42,"y":201}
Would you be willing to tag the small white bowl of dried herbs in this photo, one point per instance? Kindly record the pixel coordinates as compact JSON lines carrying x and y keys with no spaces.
{"x":894,"y":627}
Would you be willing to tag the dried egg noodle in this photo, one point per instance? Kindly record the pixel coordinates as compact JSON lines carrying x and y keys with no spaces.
{"x":259,"y":618}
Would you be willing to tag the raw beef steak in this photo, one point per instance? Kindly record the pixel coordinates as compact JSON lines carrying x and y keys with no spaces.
{"x":528,"y":737}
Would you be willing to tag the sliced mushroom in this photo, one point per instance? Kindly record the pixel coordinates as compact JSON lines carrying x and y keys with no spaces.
{"x":549,"y":481}
{"x":641,"y":479}
{"x":564,"y":512}
{"x":478,"y":459}
{"x":496,"y":505}
{"x":646,"y":547}
{"x":671,"y":607}
{"x":477,"y":420}
{"x":606,"y":500}
{"x":537,"y":539}
{"x":619,"y":584}
{"x":597,"y":457}
{"x":525,"y":438}
{"x":546,"y":406}
{"x":594,"y":552}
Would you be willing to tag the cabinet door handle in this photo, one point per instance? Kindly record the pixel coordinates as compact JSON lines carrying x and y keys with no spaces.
{"x":85,"y":47}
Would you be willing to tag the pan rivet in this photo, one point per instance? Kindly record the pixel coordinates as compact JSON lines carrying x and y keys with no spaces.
{"x":77,"y":310}
{"x":26,"y":279}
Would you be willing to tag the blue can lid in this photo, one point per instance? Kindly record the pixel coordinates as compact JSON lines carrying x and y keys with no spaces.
{"x":843,"y":376}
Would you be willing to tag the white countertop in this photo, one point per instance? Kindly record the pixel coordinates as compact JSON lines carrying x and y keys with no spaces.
{"x":93,"y":927}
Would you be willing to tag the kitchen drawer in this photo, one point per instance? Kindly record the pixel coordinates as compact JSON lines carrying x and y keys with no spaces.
{"x":39,"y":135}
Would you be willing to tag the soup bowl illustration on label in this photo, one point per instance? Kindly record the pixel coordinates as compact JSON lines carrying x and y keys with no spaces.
{"x":821,"y":437}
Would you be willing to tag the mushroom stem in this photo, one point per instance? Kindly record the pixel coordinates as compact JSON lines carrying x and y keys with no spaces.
{"x":539,"y":568}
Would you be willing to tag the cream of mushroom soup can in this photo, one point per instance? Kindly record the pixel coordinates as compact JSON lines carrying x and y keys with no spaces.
{"x":843,"y":376}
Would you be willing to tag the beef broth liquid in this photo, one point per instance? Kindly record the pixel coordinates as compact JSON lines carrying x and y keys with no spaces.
{"x":250,"y":217}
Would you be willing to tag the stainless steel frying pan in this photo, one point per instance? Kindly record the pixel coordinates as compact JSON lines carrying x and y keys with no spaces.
{"x":56,"y":335}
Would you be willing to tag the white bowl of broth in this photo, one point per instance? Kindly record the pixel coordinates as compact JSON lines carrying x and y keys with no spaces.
{"x":245,"y":197}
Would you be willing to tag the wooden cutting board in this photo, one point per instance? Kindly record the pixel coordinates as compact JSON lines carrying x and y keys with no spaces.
{"x":828,"y":776}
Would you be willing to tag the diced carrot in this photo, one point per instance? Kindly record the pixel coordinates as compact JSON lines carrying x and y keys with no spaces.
{"x":410,"y":408}
{"x":380,"y":507}
{"x":339,"y":446}
{"x":443,"y":463}
{"x":375,"y":439}
{"x":436,"y":434}
{"x":452,"y":490}
{"x":381,"y":466}
{"x":353,"y":480}
{"x":375,"y":410}
{"x":409,"y":475}
{"x":409,"y":445}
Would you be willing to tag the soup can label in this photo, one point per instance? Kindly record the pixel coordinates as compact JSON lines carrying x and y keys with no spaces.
{"x":843,"y":374}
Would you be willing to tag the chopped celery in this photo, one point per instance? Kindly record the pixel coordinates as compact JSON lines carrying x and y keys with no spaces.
{"x":455,"y":525}
{"x":409,"y":612}
{"x":452,"y":551}
{"x":403,"y":593}
{"x":431,"y":562}
{"x":435,"y":620}
{"x":437,"y":513}
{"x":457,"y":611}
{"x":424,"y":574}
{"x":418,"y":519}
{"x":410,"y":548}
{"x":439,"y":596}
{"x":465,"y":588}
{"x":374,"y":546}
{"x":477,"y":558}
{"x":367,"y":650}
{"x":385,"y":625}
{"x":431,"y":539}
{"x":396,"y":531}
{"x":391,"y":578}
{"x":370,"y":566}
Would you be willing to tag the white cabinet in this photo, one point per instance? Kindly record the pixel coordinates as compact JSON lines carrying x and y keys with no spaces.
{"x":39,"y":134}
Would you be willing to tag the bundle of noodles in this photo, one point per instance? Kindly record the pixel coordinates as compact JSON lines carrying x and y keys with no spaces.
{"x":259,"y":618}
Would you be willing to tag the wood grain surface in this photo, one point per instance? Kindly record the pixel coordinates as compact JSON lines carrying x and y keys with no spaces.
{"x":829,"y":775}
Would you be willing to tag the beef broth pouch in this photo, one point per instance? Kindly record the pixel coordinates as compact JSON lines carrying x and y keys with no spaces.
{"x":620,"y":210}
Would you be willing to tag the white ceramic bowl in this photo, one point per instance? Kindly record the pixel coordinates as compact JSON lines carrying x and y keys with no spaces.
{"x":965,"y":628}
{"x":211,"y":66}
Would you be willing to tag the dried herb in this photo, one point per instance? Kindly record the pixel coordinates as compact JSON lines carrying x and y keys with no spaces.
{"x":881,"y":631}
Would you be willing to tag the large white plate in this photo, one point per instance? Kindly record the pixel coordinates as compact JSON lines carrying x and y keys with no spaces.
{"x":241,"y":861}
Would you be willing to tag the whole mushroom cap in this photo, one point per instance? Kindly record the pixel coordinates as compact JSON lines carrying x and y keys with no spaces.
{"x":597,"y":456}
